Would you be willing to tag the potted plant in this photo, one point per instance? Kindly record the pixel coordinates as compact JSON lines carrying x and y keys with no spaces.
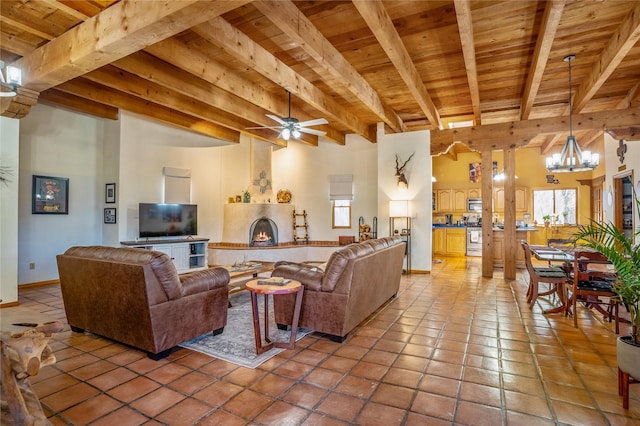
{"x":619,"y":248}
{"x":547,"y":219}
{"x":246,"y":196}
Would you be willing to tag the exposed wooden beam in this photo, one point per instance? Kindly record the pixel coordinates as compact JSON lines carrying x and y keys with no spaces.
{"x":66,"y":9}
{"x":550,"y":142}
{"x":590,"y":137}
{"x":380,"y":23}
{"x":99,"y":93}
{"x":519,"y":133}
{"x":631,"y":99}
{"x":19,"y":105}
{"x":220,"y":33}
{"x":104,"y":38}
{"x":85,"y":106}
{"x":26,"y":28}
{"x":465,"y":28}
{"x":207,"y":68}
{"x":622,"y":41}
{"x":115,"y":78}
{"x":152,"y":69}
{"x":547,"y":33}
{"x":298,"y":27}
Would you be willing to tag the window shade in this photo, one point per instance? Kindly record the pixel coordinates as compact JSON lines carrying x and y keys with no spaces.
{"x":341,"y":187}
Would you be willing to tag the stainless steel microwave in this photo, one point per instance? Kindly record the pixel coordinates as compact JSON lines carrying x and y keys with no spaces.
{"x":474,"y":204}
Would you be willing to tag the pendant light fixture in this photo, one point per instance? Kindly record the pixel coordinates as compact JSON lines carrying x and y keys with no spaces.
{"x":572,"y":158}
{"x":10,"y":78}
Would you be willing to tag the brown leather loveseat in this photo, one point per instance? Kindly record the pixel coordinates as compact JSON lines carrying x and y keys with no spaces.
{"x":356,"y":280}
{"x":136,"y":297}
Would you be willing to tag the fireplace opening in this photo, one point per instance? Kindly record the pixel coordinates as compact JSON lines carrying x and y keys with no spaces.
{"x":263,"y":233}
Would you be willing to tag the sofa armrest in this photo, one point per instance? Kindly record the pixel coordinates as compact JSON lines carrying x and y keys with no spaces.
{"x":310,"y":276}
{"x":205,"y":280}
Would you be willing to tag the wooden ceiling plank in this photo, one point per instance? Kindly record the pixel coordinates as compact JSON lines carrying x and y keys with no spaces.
{"x":299,"y":28}
{"x":93,"y":91}
{"x":620,"y":43}
{"x":86,"y":106}
{"x":520,"y":133}
{"x":220,"y":33}
{"x":631,"y":98}
{"x":546,"y":35}
{"x":590,"y":138}
{"x":550,"y":142}
{"x":380,"y":23}
{"x":465,"y":28}
{"x":103,"y":38}
{"x":66,"y":9}
{"x":26,"y":28}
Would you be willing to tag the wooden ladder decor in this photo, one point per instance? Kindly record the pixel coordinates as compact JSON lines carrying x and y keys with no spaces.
{"x":303,"y":226}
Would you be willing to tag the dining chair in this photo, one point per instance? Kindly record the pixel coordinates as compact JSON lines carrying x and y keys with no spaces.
{"x":553,"y":276}
{"x":564,"y":244}
{"x":591,"y":281}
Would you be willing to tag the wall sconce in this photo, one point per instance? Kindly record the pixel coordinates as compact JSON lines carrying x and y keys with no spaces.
{"x":399,"y":208}
{"x":10,"y":78}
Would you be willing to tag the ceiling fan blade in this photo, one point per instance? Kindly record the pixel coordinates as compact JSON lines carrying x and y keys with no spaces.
{"x":315,"y":122}
{"x":276,"y":118}
{"x":312,"y":131}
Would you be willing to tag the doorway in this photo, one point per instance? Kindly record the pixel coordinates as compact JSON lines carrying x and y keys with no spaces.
{"x":624,"y":206}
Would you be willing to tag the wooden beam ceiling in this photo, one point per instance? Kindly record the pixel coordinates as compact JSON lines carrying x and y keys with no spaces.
{"x":465,"y":28}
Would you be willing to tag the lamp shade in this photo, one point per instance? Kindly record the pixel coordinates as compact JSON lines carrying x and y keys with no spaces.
{"x":399,"y":208}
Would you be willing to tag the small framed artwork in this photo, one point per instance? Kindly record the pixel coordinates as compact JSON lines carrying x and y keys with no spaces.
{"x":405,"y":232}
{"x":110,"y":193}
{"x":238,"y":198}
{"x":110,"y":215}
{"x":50,"y":195}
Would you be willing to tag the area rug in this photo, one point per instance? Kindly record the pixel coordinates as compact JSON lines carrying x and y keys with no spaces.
{"x":237,"y":343}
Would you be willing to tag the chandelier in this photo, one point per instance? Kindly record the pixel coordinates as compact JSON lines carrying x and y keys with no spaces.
{"x":572,"y":158}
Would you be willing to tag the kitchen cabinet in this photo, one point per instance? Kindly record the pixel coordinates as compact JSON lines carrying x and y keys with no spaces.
{"x":474,"y":193}
{"x":521,"y":199}
{"x":459,"y":200}
{"x":443,"y":200}
{"x":449,"y":241}
{"x":498,"y":249}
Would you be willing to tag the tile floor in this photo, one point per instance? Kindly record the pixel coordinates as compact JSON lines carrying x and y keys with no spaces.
{"x":452,"y":348}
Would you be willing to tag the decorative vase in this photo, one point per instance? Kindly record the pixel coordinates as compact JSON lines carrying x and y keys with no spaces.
{"x":246,"y":198}
{"x":628,"y":354}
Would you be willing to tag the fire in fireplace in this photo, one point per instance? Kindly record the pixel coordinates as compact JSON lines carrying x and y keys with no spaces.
{"x":263,"y":232}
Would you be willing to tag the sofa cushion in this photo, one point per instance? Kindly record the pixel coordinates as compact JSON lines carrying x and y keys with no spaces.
{"x":309,"y":275}
{"x":161,"y":265}
{"x":338,"y":261}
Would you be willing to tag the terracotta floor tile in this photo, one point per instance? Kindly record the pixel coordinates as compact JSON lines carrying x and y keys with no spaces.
{"x":343,"y":407}
{"x":145,"y":365}
{"x":380,"y":357}
{"x":272,"y":385}
{"x":409,"y":362}
{"x":401,"y":377}
{"x":440,"y":386}
{"x":395,"y":396}
{"x":516,"y":418}
{"x":434,"y":405}
{"x":185,"y":413}
{"x":218,"y":368}
{"x":339,"y":364}
{"x":123,"y":416}
{"x":281,"y":413}
{"x":133,"y":389}
{"x":92,"y":370}
{"x":91,"y":409}
{"x":468,"y":413}
{"x":218,"y":393}
{"x":323,"y":377}
{"x":168,"y":373}
{"x":248,"y":404}
{"x":126,"y":357}
{"x":376,"y":414}
{"x":195,"y":360}
{"x":54,"y":384}
{"x":244,"y":376}
{"x":220,"y":417}
{"x":69,"y":396}
{"x":481,"y":394}
{"x":304,"y":395}
{"x":73,"y":363}
{"x":311,"y":357}
{"x":191,"y":382}
{"x":532,"y":386}
{"x":369,"y":370}
{"x":529,"y":404}
{"x":319,"y":419}
{"x":578,"y":415}
{"x":416,"y":419}
{"x":293,"y":370}
{"x":445,"y":369}
{"x":357,"y":386}
{"x":157,"y":401}
{"x":112,"y":378}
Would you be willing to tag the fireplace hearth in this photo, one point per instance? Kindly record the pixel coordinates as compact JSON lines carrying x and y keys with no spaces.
{"x":263,"y":233}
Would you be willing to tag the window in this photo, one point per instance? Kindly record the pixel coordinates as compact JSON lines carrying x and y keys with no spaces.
{"x":560,"y":204}
{"x":341,"y":217}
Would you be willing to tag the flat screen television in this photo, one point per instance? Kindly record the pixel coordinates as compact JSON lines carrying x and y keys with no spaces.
{"x":168,"y":220}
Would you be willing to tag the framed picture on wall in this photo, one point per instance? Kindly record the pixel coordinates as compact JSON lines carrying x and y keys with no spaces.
{"x":50,"y":195}
{"x":110,"y":215}
{"x":110,"y":193}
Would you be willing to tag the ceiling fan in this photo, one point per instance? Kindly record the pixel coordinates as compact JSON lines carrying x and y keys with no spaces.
{"x":290,"y":126}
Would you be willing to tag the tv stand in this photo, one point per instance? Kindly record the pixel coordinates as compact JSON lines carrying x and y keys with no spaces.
{"x":188,"y":254}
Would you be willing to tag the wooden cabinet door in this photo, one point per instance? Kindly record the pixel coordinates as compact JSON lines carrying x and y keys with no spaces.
{"x":498,"y":200}
{"x":521,"y":199}
{"x":474,"y":193}
{"x":456,"y":241}
{"x":459,"y":200}
{"x":439,"y":245}
{"x":443,"y":200}
{"x":498,"y":249}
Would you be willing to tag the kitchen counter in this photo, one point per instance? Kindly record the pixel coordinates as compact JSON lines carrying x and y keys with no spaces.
{"x":519,"y":229}
{"x":442,"y":225}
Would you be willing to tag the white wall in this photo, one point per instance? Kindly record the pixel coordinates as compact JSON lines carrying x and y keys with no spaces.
{"x":55,"y":142}
{"x":9,"y":147}
{"x":418,"y":174}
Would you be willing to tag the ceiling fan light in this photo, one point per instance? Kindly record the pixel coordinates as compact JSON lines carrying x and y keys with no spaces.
{"x":14,"y":75}
{"x":286,"y":134}
{"x":296,"y":134}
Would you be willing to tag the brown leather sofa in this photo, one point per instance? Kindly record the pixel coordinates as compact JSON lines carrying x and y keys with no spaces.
{"x":136,"y":297}
{"x":356,"y":280}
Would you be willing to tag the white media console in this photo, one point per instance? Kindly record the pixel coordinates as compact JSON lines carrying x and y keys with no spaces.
{"x":188,"y":254}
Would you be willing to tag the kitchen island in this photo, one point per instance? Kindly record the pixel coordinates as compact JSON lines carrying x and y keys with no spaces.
{"x":522,"y":233}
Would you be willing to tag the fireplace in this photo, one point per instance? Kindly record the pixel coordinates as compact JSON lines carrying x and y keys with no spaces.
{"x":263,"y":232}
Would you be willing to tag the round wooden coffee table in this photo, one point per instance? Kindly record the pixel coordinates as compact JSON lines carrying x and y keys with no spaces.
{"x":255,"y":288}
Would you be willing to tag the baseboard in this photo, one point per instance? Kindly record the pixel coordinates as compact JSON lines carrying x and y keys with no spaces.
{"x":38,"y":284}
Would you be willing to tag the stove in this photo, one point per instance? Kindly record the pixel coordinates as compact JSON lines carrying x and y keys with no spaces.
{"x":474,"y":240}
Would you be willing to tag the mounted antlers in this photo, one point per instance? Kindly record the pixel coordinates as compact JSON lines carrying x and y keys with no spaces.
{"x":402,"y":180}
